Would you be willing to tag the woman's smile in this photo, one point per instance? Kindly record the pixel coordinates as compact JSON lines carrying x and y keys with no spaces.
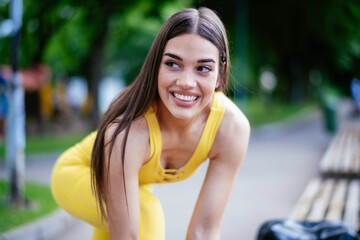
{"x":185,"y":99}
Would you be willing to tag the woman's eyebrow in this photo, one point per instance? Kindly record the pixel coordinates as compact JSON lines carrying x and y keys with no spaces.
{"x":173,"y":56}
{"x":206,"y":60}
{"x":199,"y":61}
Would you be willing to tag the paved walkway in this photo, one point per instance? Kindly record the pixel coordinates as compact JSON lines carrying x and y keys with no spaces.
{"x":281,"y":159}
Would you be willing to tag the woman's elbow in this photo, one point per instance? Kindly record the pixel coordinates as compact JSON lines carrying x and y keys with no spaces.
{"x":131,"y":235}
{"x":202,"y":233}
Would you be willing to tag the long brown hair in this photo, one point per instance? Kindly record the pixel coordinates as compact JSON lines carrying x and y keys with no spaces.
{"x":136,"y":99}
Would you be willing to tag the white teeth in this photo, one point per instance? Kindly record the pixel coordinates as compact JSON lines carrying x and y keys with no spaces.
{"x":184,"y":97}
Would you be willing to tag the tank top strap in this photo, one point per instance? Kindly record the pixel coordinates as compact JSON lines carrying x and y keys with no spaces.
{"x":155,"y":134}
{"x":211,"y":127}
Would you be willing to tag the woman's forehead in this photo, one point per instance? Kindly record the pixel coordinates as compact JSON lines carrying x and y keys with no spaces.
{"x":191,"y":45}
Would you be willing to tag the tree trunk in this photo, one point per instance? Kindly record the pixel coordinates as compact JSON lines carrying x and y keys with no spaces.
{"x":93,"y":66}
{"x":96,"y":74}
{"x":241,"y":53}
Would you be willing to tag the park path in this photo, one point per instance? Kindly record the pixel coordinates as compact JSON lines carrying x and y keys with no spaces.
{"x":281,"y":159}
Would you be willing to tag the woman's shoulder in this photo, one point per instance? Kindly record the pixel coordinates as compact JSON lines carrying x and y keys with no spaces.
{"x":137,"y":138}
{"x":234,"y":117}
{"x":233,"y":131}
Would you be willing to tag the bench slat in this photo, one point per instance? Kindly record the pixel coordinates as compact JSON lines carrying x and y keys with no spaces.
{"x":337,"y":202}
{"x":303,"y":205}
{"x":347,"y":156}
{"x":326,"y":163}
{"x":357,"y":153}
{"x":338,"y":159}
{"x":319,"y":207}
{"x":342,"y":155}
{"x":351,"y":213}
{"x":330,"y":199}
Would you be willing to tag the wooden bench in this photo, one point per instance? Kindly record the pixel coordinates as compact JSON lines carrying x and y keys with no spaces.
{"x":330,"y":199}
{"x":342,"y":157}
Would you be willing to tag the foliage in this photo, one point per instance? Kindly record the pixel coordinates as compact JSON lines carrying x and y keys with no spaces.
{"x":62,"y":32}
{"x":95,"y":38}
{"x":89,"y":38}
{"x":131,"y":35}
{"x":68,"y":46}
{"x":41,"y":203}
{"x":294,"y":38}
{"x":127,"y":39}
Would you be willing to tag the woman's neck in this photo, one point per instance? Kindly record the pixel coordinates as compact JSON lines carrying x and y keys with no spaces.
{"x":170,"y":123}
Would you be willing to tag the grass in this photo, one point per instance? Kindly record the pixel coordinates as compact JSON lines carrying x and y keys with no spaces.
{"x":41,"y":200}
{"x":47,"y":143}
{"x":40,"y":197}
{"x":259,"y":112}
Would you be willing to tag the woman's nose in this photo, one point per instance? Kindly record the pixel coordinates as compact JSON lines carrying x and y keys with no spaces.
{"x":186,"y":80}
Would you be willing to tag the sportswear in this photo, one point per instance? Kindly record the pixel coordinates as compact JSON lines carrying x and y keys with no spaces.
{"x":71,"y":183}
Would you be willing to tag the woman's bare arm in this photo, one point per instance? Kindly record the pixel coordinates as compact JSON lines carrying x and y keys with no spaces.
{"x":122,"y":202}
{"x":229,"y":149}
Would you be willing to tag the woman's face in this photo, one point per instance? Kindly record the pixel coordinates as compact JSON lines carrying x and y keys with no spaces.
{"x":188,"y":75}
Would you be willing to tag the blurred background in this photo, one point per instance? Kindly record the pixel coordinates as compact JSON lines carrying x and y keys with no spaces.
{"x":78,"y":55}
{"x":74,"y":57}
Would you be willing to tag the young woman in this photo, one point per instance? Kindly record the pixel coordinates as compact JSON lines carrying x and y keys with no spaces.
{"x":159,"y":130}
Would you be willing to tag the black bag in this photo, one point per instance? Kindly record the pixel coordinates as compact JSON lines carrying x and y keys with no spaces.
{"x":305,"y":230}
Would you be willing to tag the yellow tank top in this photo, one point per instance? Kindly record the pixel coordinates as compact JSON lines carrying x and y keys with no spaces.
{"x":153,"y":172}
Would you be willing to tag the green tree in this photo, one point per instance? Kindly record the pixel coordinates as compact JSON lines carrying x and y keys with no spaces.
{"x":90,"y":37}
{"x":295,"y":37}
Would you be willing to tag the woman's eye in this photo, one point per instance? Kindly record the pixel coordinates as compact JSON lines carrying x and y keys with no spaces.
{"x":204,"y":69}
{"x":172,"y":64}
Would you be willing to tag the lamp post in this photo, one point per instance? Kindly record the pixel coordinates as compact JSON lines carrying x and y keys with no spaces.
{"x":15,"y":119}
